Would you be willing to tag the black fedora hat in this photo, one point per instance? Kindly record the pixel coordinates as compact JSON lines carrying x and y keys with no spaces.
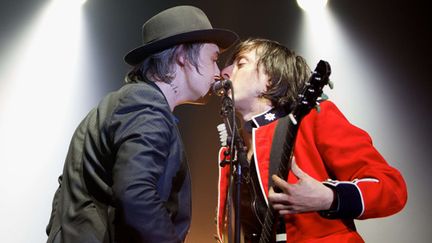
{"x":181,"y":24}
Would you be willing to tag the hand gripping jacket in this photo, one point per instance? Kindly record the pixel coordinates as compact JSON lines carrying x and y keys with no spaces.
{"x":342,"y":156}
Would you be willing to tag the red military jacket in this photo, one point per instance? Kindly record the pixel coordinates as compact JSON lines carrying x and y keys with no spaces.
{"x":342,"y":156}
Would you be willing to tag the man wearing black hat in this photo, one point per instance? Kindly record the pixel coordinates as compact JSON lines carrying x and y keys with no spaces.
{"x":125,"y":178}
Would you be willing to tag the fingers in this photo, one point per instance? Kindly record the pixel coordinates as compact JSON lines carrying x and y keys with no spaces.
{"x":299,"y":173}
{"x":296,"y":170}
{"x":284,"y":209}
{"x":271,"y":191}
{"x":281,"y":201}
{"x":278,"y":181}
{"x":284,"y":212}
{"x":281,"y":184}
{"x":277,"y":197}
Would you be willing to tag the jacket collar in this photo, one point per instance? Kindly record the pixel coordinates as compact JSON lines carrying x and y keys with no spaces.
{"x":264,"y":118}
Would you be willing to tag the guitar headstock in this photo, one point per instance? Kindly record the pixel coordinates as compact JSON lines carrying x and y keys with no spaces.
{"x":313,"y":89}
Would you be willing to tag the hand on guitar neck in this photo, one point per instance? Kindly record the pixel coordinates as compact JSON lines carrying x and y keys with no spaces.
{"x":306,"y":195}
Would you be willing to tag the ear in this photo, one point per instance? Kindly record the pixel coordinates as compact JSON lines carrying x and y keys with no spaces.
{"x":181,"y":60}
{"x":268,"y":79}
{"x":264,"y":84}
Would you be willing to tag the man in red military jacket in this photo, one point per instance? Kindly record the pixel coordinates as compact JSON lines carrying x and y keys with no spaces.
{"x":337,"y":175}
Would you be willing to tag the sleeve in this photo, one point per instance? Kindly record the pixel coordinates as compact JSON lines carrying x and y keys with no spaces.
{"x":142,"y":137}
{"x":366,"y":185}
{"x":223,"y":183}
{"x":51,"y":224}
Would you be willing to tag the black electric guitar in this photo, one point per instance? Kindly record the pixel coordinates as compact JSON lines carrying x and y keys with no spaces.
{"x":267,"y":219}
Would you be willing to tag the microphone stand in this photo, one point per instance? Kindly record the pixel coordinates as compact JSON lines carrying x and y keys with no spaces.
{"x":237,"y":158}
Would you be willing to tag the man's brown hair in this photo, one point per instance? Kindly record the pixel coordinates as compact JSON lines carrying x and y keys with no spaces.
{"x":287,"y":71}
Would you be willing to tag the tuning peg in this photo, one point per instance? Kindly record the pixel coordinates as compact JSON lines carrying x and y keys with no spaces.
{"x":330,"y":83}
{"x":324,"y":96}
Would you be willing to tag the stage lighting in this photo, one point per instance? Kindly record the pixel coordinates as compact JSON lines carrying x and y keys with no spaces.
{"x":40,"y":98}
{"x":71,"y":2}
{"x":312,"y":5}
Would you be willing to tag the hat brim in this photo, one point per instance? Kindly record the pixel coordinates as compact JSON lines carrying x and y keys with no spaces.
{"x":221,"y":37}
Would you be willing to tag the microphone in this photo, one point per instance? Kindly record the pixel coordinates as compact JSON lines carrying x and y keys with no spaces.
{"x":220,"y":87}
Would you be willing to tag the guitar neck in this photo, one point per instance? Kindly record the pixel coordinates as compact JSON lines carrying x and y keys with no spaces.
{"x":267,"y":233}
{"x":307,"y":100}
{"x":287,"y":153}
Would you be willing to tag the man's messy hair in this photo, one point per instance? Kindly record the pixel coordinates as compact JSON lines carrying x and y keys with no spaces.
{"x":287,"y":71}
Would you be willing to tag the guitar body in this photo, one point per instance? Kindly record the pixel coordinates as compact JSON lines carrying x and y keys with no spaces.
{"x":253,"y":207}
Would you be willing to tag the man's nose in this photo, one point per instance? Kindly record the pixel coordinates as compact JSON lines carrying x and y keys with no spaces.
{"x":217,"y":76}
{"x":226,"y":72}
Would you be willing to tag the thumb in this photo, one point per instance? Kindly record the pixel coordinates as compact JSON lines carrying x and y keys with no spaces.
{"x":297,"y":171}
{"x":277,"y":181}
{"x":280,"y":183}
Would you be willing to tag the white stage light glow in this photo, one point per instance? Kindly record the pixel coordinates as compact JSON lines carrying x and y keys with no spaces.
{"x":312,"y":6}
{"x":39,"y":95}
